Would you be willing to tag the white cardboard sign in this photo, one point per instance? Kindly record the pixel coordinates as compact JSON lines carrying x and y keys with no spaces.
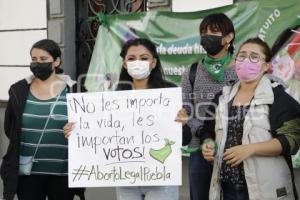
{"x":125,"y":138}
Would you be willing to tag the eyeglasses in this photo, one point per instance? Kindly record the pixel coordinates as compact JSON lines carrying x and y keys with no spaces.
{"x":253,"y":57}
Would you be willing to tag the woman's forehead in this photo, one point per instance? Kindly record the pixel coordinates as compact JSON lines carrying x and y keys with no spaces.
{"x":251,"y":48}
{"x":138,"y":50}
{"x":39,"y":52}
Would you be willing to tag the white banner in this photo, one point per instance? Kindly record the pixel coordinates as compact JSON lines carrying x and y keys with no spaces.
{"x":125,"y":138}
{"x":197,"y":5}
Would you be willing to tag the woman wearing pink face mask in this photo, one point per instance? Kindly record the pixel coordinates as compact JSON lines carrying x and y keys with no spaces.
{"x":255,"y":130}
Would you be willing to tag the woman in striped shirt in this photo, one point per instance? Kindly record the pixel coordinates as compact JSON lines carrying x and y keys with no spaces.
{"x":34,"y":118}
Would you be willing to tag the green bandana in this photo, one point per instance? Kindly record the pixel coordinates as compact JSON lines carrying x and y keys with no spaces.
{"x":198,"y":149}
{"x":216,"y":67}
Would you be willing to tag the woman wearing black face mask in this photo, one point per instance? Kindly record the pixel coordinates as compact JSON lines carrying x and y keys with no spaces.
{"x":211,"y":74}
{"x":35,"y":166}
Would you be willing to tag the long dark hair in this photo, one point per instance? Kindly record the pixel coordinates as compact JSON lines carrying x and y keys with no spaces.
{"x":156,"y":78}
{"x":219,"y":22}
{"x":52,"y":48}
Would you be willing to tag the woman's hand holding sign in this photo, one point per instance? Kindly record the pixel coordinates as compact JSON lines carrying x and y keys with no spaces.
{"x":68,"y":128}
{"x":182,"y":116}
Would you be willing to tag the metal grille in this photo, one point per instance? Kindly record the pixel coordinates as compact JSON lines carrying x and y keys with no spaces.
{"x":86,"y":29}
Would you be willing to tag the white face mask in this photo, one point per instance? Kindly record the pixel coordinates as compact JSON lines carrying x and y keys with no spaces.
{"x":138,"y":69}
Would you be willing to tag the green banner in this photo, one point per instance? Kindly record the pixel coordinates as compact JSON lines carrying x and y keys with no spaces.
{"x":177,"y":35}
{"x":177,"y":38}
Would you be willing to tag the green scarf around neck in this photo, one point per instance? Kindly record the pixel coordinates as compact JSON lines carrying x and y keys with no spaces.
{"x":215,"y":67}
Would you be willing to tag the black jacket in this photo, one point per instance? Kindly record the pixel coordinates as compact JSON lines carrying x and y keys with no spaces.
{"x":18,"y":93}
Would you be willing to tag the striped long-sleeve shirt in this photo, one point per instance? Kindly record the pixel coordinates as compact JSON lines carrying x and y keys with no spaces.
{"x":52,"y":154}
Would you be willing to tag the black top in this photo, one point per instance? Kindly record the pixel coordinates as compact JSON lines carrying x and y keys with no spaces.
{"x":228,"y":174}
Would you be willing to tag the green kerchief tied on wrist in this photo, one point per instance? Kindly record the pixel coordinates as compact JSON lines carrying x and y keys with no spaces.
{"x":198,"y":149}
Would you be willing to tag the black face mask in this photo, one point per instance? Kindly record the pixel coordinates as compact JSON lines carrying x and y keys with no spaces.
{"x":41,"y":71}
{"x":212,"y":44}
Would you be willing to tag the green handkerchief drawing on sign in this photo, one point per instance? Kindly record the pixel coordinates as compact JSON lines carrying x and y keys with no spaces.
{"x":162,"y":154}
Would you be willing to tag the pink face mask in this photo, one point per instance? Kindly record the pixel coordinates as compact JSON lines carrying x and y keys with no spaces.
{"x":247,"y":71}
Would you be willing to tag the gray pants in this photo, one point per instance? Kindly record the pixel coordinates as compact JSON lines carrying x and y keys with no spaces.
{"x":148,"y":193}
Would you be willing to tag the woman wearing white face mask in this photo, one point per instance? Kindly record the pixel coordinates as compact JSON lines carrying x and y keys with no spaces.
{"x":141,"y":67}
{"x":256,"y":128}
{"x":142,"y":70}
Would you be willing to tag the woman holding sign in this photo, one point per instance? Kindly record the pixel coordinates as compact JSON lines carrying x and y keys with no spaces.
{"x":142,"y":70}
{"x":35,"y":166}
